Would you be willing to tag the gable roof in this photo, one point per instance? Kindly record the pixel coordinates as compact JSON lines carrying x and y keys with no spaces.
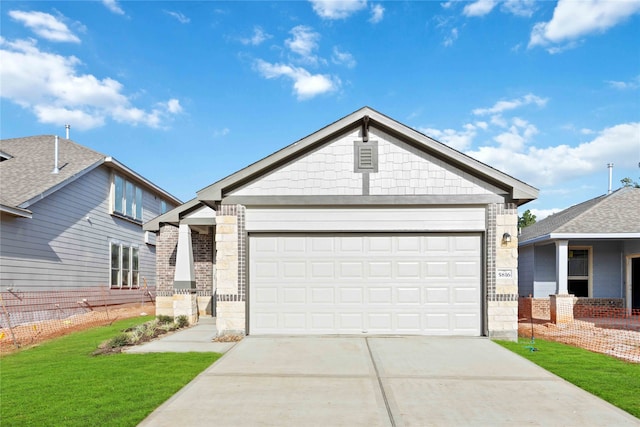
{"x":519,"y":192}
{"x":607,"y":216}
{"x":26,"y":173}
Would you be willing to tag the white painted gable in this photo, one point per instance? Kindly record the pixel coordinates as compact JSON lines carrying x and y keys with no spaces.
{"x":402,"y":170}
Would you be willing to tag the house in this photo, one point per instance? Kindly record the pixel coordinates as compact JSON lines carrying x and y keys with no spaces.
{"x":71,"y":218}
{"x":590,"y":251}
{"x":365,"y":226}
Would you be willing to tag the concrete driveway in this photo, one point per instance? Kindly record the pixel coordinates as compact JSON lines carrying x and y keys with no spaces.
{"x":380,"y":381}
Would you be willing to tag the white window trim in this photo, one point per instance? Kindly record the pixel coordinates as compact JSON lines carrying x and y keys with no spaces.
{"x":589,"y":278}
{"x":112,"y":199}
{"x":130,"y":273}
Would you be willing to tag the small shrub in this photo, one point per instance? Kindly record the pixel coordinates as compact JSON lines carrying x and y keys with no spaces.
{"x":163,"y":319}
{"x":182,"y":321}
{"x":120,"y":340}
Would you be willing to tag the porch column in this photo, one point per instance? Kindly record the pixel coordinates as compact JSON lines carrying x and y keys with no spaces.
{"x":562,"y":261}
{"x":185,"y":276}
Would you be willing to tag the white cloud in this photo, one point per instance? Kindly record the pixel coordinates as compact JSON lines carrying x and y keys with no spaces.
{"x":45,"y":25}
{"x":113,"y":6}
{"x":51,"y":87}
{"x":502,"y":106}
{"x":552,"y":165}
{"x":518,"y":134}
{"x":574,"y":19}
{"x":305,"y":84}
{"x":523,"y":8}
{"x":543,"y":213}
{"x":343,"y":58}
{"x":452,"y":37}
{"x":479,"y":8}
{"x":221,"y":132}
{"x":630,"y":85}
{"x":258,"y":37}
{"x":181,"y":18}
{"x":337,"y":9}
{"x":377,"y":13}
{"x":173,"y":106}
{"x":459,"y":140}
{"x":304,"y":42}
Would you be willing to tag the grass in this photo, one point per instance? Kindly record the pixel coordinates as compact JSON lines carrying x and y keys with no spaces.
{"x":60,"y":383}
{"x":613,"y":380}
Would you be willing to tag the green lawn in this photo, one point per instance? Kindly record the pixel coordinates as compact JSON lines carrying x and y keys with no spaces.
{"x":61,"y":383}
{"x":613,"y":380}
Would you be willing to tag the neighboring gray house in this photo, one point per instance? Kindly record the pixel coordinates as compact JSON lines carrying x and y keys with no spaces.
{"x":77,"y":224}
{"x":365,"y":226}
{"x":590,"y":250}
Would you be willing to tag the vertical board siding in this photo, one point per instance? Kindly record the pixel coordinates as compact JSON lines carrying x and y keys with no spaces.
{"x":66,"y":243}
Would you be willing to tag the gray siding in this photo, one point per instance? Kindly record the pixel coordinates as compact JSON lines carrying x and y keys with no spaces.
{"x":632,"y":247}
{"x":607,"y":269}
{"x":544,"y":273}
{"x":66,"y":243}
{"x":525,"y":271}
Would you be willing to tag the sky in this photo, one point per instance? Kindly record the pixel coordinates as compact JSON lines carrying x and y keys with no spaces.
{"x":186,"y":93}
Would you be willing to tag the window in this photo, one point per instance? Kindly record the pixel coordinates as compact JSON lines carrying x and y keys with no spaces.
{"x":125,"y":266}
{"x":127,"y":198}
{"x":163,"y":207}
{"x":578,"y":271}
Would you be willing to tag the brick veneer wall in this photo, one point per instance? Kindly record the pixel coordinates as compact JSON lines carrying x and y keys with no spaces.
{"x":596,"y":307}
{"x":166,"y":250}
{"x":202,"y":260}
{"x":537,"y":308}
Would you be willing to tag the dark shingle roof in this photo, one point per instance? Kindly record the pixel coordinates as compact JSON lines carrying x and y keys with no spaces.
{"x":612,"y":213}
{"x":28,"y":173}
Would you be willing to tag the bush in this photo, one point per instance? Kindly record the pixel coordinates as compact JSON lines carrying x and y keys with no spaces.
{"x":120,"y":340}
{"x":163,"y":319}
{"x":182,"y":321}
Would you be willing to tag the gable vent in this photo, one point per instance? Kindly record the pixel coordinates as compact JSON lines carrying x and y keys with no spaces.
{"x":365,"y":156}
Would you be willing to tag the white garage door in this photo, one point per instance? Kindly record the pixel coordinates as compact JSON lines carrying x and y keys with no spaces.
{"x":425,"y":284}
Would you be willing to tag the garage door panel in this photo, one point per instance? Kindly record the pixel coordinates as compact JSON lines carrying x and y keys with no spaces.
{"x":380,"y":269}
{"x":350,"y":295}
{"x":385,"y":283}
{"x":322,"y":295}
{"x":380,"y":295}
{"x":322,"y":269}
{"x":379,"y":322}
{"x":294,"y":269}
{"x":409,"y":296}
{"x":292,"y":295}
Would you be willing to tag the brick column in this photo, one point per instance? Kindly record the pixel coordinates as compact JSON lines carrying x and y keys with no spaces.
{"x":502,"y":272}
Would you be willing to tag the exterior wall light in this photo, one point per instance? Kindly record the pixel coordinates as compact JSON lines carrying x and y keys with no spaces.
{"x":506,"y":238}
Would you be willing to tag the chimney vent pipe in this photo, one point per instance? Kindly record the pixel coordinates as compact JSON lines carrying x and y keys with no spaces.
{"x":55,"y":157}
{"x":67,"y":128}
{"x":610,"y":166}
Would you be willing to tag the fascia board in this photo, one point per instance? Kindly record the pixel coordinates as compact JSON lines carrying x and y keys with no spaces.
{"x":517,"y":189}
{"x":170,"y":217}
{"x":583,"y":236}
{"x":23,"y":213}
{"x":567,"y":236}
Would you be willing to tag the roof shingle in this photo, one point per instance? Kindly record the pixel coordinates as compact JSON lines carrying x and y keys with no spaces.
{"x":611,"y":213}
{"x":28,"y":173}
